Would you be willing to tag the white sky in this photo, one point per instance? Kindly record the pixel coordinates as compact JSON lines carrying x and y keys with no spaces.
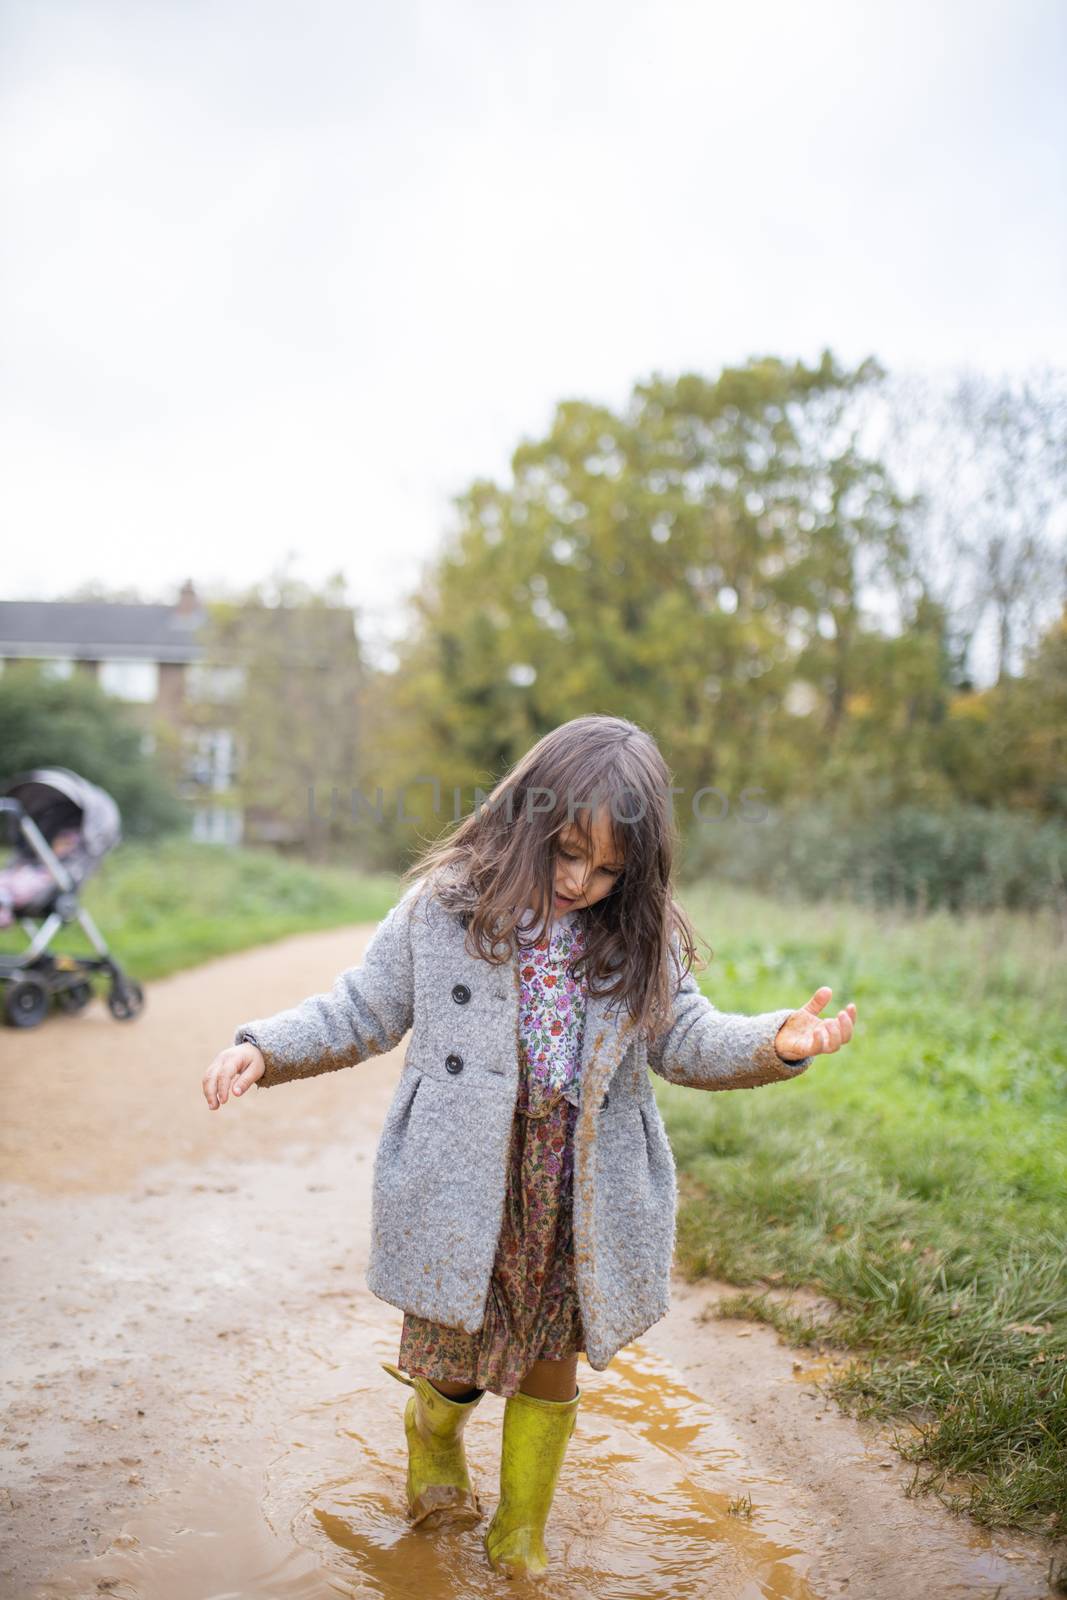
{"x":287,"y":276}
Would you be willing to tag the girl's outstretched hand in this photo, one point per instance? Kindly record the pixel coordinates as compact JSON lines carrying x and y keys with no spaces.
{"x":805,"y":1033}
{"x":236,"y":1068}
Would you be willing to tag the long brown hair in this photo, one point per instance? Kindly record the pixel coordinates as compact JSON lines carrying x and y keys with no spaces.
{"x":501,"y":859}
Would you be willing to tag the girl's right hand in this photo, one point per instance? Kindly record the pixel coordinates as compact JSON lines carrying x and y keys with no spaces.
{"x":236,"y":1068}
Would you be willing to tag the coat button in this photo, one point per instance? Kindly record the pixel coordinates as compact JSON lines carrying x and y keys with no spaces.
{"x":453,"y":1063}
{"x":461,"y":994}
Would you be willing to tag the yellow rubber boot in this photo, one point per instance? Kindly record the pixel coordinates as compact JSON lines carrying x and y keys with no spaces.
{"x":438,"y":1484}
{"x":535,"y":1439}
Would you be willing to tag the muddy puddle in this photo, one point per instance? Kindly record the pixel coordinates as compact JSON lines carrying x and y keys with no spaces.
{"x":193,"y":1406}
{"x":643,"y":1509}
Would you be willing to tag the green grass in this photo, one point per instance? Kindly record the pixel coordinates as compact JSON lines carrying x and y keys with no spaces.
{"x":917,"y":1177}
{"x":178,"y":903}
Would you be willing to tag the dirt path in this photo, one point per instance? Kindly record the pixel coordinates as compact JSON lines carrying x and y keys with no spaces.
{"x":192,"y":1402}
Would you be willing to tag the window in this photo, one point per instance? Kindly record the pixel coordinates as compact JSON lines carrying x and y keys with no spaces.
{"x":212,"y":760}
{"x":130,"y":680}
{"x":216,"y":825}
{"x":56,"y":667}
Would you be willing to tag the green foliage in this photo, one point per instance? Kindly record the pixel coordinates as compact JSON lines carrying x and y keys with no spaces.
{"x":671,"y":564}
{"x":1028,"y":715}
{"x":917,"y":1178}
{"x":72,"y":723}
{"x":703,"y":560}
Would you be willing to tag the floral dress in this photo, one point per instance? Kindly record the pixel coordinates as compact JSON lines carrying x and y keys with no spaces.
{"x":532,"y":1311}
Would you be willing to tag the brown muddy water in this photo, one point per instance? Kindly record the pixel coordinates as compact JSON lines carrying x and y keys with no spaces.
{"x":193,"y":1407}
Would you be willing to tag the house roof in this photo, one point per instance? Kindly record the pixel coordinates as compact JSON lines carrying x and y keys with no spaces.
{"x":98,"y":629}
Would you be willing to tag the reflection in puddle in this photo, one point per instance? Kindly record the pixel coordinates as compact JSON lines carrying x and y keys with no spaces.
{"x":641,"y":1510}
{"x":642,"y":1507}
{"x":820,"y":1369}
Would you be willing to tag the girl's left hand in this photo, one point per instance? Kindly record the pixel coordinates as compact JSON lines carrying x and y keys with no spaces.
{"x":805,"y":1033}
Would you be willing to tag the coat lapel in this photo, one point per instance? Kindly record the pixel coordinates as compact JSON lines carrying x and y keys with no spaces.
{"x":607,"y":1035}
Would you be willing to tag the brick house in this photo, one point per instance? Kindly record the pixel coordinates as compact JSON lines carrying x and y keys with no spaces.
{"x":147,"y":656}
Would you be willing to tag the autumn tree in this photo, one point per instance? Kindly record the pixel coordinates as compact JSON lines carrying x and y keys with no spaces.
{"x":673,"y":563}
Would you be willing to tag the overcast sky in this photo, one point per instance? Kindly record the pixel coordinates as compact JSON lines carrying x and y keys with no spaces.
{"x":287,"y":276}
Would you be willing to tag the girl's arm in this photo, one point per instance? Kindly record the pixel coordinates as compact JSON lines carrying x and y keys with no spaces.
{"x":705,"y":1048}
{"x":368,"y":1010}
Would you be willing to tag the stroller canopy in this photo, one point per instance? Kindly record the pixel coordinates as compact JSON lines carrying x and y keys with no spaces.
{"x":57,"y":798}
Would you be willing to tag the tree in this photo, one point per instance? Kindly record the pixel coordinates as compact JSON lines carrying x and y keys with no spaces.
{"x":672,"y":564}
{"x":987,"y":459}
{"x":1028,"y":727}
{"x":297,"y":717}
{"x":71,"y":722}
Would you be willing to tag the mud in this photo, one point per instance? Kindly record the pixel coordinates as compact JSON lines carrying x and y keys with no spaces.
{"x":192,"y":1401}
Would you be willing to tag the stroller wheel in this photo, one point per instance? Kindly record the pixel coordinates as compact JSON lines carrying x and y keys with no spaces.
{"x":74,"y":999}
{"x":125,"y":999}
{"x":26,"y":1002}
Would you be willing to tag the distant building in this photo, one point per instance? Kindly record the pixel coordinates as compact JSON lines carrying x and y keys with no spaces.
{"x":147,"y":656}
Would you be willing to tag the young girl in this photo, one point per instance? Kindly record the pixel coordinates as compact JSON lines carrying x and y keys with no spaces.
{"x":524,"y":1190}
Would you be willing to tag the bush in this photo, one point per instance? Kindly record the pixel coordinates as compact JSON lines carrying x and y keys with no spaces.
{"x":961,"y":858}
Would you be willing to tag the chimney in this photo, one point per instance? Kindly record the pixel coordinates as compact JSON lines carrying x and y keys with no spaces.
{"x":188,"y":600}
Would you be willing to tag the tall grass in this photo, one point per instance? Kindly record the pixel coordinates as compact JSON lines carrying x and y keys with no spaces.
{"x":917,"y":1177}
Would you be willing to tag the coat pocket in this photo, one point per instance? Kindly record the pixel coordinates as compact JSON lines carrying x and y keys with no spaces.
{"x":661,"y":1168}
{"x":401,"y":1110}
{"x":404,"y":1119}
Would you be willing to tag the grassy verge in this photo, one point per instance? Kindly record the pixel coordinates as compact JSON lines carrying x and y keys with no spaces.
{"x":179,"y":903}
{"x":918,"y":1178}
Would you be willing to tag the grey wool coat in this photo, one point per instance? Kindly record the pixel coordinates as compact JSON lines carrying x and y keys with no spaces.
{"x":440,"y":1169}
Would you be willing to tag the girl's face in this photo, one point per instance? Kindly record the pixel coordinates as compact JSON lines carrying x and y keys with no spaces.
{"x":585,"y":873}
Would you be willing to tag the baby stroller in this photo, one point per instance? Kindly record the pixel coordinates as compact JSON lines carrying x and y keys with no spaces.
{"x":63,"y":826}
